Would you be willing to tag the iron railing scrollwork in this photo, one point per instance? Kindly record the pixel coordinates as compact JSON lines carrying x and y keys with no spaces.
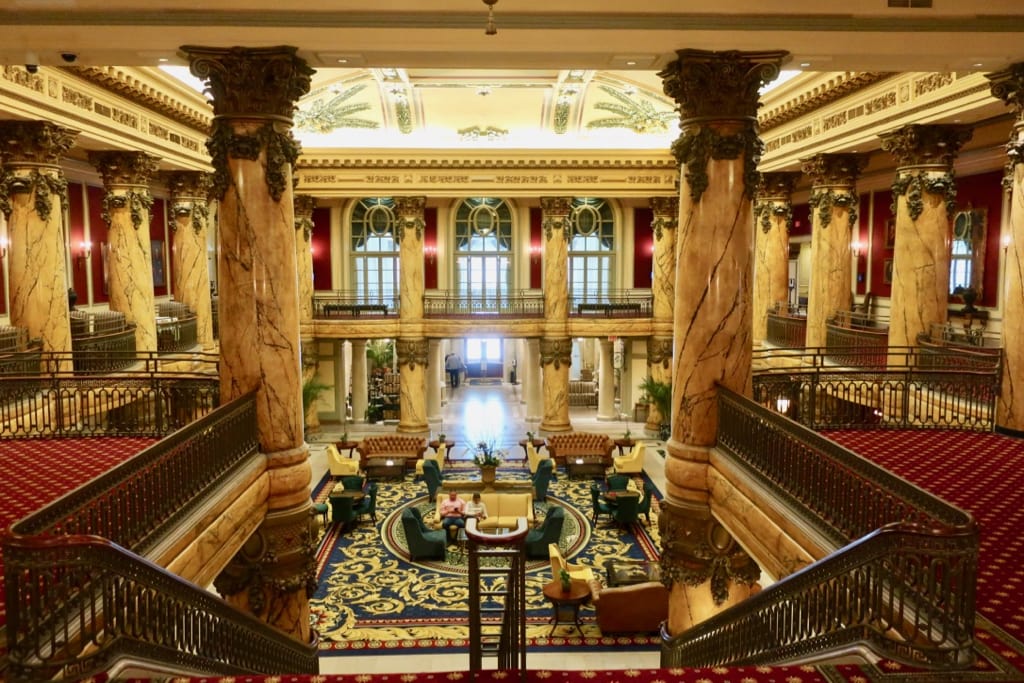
{"x":452,"y":303}
{"x":786,"y":331}
{"x":902,"y":582}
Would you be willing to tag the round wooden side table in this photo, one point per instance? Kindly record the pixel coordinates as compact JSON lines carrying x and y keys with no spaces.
{"x":566,"y":605}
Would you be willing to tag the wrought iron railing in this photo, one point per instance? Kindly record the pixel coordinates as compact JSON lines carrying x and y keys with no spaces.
{"x":451,"y":303}
{"x":152,"y":395}
{"x":905,"y":588}
{"x":786,"y":331}
{"x":350,"y":304}
{"x":106,"y":352}
{"x":615,"y":303}
{"x":79,"y":596}
{"x":176,"y":335}
{"x":965,"y":335}
{"x":868,"y":340}
{"x":917,"y":388}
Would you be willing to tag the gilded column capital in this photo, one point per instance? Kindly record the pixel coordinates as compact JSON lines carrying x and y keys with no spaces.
{"x":126,"y":177}
{"x":775,"y":199}
{"x":718,"y":97}
{"x":252,"y":84}
{"x":189,"y":196}
{"x":412,"y":352}
{"x":27,"y":148}
{"x":659,"y":351}
{"x":834,"y":169}
{"x":926,"y":145}
{"x":666,"y":215}
{"x":409,"y":211}
{"x":696,"y":549}
{"x":304,"y":205}
{"x":556,"y":352}
{"x":556,"y":212}
{"x":1008,"y":86}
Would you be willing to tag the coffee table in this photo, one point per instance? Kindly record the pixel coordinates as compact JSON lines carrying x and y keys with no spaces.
{"x":566,"y":604}
{"x":585,"y":466}
{"x":385,"y":468}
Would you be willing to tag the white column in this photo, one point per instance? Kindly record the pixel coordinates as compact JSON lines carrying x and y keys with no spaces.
{"x":434,"y":379}
{"x":342,"y":377}
{"x":359,"y":387}
{"x":532,"y":370}
{"x":605,"y":382}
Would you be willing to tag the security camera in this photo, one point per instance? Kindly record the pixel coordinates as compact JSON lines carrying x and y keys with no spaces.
{"x":69,"y":57}
{"x":32,"y":68}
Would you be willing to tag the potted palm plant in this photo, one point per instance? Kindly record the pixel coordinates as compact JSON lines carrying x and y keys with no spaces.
{"x":659,"y":394}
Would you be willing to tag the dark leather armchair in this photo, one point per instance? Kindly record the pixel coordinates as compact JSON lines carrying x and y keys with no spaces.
{"x":423,"y":543}
{"x":548,"y":532}
{"x":599,"y":507}
{"x":639,"y":608}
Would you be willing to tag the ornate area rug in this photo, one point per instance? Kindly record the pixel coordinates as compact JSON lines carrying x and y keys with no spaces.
{"x":372,"y":597}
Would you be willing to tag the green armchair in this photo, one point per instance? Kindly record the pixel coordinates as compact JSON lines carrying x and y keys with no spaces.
{"x":542,"y":479}
{"x":368,"y":505}
{"x":548,"y":532}
{"x":432,"y":478}
{"x":342,"y":510}
{"x":423,"y":543}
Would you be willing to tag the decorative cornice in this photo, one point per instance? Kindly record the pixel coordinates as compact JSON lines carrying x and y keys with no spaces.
{"x":304,"y":205}
{"x":412,"y":352}
{"x":409,"y":211}
{"x":919,"y":145}
{"x":128,"y":85}
{"x":556,"y":351}
{"x":659,"y":350}
{"x":836,"y":88}
{"x":697,"y":550}
{"x":555,"y":211}
{"x":661,"y":161}
{"x":913,"y":186}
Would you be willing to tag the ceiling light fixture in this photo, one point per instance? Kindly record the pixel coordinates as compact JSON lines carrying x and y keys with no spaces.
{"x":491,"y":28}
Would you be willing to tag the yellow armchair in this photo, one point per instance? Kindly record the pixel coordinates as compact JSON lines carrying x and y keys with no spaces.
{"x":437,"y":457}
{"x":558,"y":563}
{"x":632,"y":462}
{"x":533,"y":458}
{"x":339,"y":465}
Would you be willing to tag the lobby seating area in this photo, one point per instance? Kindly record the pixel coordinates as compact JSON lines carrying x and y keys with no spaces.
{"x":580,"y":445}
{"x":503,"y":509}
{"x":392,"y":447}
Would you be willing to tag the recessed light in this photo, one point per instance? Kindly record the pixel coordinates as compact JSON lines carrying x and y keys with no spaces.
{"x":805,"y":64}
{"x":978,"y":64}
{"x":163,"y":60}
{"x":342,"y":60}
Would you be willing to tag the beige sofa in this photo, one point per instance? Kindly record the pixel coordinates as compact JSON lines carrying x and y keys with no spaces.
{"x":503,"y":509}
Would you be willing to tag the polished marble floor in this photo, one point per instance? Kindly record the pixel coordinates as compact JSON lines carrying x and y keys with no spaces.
{"x":496,"y":413}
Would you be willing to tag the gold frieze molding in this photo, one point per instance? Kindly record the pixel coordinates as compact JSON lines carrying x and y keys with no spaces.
{"x":813,"y":93}
{"x":509,"y":174}
{"x":147,"y":91}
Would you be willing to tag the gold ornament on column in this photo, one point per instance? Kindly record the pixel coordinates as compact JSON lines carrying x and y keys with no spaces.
{"x":556,"y":351}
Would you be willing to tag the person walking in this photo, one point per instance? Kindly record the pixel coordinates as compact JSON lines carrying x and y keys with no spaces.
{"x":453,"y":364}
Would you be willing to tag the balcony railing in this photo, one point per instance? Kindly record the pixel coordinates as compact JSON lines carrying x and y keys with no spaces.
{"x":454,"y":304}
{"x":352,"y":304}
{"x":143,"y":394}
{"x":868,"y":339}
{"x":80,"y":596}
{"x":175,"y":334}
{"x":903,"y":585}
{"x":623,"y":303}
{"x":786,"y":330}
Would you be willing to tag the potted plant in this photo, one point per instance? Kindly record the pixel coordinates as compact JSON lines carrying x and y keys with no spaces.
{"x":566,"y":580}
{"x":442,"y":438}
{"x":487,"y":458}
{"x":659,"y":394}
{"x":529,"y":437}
{"x":311,"y":390}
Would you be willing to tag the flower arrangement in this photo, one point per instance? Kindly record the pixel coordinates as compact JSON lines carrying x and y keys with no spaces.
{"x":487,"y":455}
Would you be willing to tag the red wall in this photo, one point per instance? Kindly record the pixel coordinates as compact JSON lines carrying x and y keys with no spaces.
{"x":643,"y":248}
{"x":161,"y":255}
{"x":536,"y":244}
{"x":320,"y":242}
{"x":430,"y":240}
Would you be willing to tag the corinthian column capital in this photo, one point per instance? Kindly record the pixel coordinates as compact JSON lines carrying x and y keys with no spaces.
{"x":931,"y":145}
{"x":409,"y":211}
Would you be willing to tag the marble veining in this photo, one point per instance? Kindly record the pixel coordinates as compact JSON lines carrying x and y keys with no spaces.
{"x":1010,"y":410}
{"x":831,"y":267}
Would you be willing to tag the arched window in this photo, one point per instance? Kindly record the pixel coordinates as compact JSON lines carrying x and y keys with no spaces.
{"x":483,"y":247}
{"x":375,"y":251}
{"x":591,"y":249}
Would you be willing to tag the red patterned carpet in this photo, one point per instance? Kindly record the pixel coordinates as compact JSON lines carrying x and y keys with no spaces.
{"x":36,"y":472}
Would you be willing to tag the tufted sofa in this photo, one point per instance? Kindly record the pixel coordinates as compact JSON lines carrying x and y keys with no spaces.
{"x":503,"y":509}
{"x":394,"y":446}
{"x":578,"y":444}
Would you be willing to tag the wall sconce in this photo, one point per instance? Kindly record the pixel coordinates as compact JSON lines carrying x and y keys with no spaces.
{"x":3,"y":247}
{"x":85,"y":251}
{"x":430,"y":252}
{"x":856,"y":247}
{"x":1005,"y":241}
{"x":535,"y":253}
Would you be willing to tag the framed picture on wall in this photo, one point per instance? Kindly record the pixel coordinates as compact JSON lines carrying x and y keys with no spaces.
{"x":890,"y":232}
{"x":887,"y":271}
{"x":158,"y":262}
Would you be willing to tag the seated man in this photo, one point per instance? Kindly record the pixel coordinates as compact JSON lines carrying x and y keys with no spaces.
{"x":453,"y":514}
{"x":477,"y":508}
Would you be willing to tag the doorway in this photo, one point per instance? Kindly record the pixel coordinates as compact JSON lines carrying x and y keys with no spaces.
{"x":484,"y":357}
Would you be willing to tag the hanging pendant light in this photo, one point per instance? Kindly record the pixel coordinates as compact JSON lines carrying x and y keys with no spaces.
{"x":491,"y":28}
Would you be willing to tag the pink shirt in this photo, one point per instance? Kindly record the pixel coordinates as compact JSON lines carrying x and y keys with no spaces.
{"x":453,"y":508}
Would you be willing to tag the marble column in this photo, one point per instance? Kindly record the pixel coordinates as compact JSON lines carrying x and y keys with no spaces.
{"x":606,"y":381}
{"x":659,"y":367}
{"x":663,"y":282}
{"x":411,"y":347}
{"x":718,"y":152}
{"x":33,"y":194}
{"x":126,"y":207}
{"x":304,"y":205}
{"x":924,"y":200}
{"x":360,"y":388}
{"x":434,"y":380}
{"x":773,"y":220}
{"x":1008,"y":85}
{"x":833,"y":205}
{"x":190,"y":214}
{"x":556,"y":346}
{"x":532,"y":378}
{"x":341,"y":391}
{"x":253,"y":93}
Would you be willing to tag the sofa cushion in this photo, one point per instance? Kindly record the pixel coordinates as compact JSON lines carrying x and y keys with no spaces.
{"x":503,"y":509}
{"x":576,"y":444}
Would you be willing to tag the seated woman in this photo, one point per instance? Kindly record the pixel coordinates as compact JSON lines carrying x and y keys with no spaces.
{"x":477,"y":508}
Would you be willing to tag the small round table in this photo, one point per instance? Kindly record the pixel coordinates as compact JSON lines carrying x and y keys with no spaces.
{"x":448,"y":446}
{"x":567,"y":604}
